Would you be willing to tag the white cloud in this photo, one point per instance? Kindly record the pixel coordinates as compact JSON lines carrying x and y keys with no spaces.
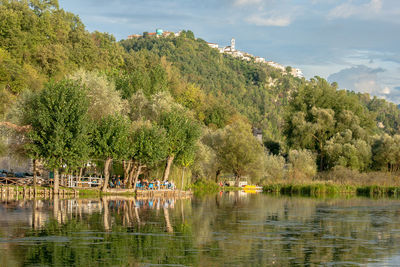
{"x":362,"y":79}
{"x":246,"y":2}
{"x":349,"y":9}
{"x":386,"y":90}
{"x":268,"y":20}
{"x":273,"y":13}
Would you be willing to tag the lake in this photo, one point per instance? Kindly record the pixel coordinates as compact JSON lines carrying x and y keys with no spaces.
{"x":227,"y":229}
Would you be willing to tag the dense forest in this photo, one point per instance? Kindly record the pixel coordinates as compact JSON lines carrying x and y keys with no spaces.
{"x":153,"y":106}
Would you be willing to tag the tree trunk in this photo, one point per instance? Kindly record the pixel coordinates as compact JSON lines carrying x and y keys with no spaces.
{"x":237,"y":179}
{"x":127,"y":169}
{"x":137,"y":176}
{"x":106,"y":173}
{"x":34,"y":172}
{"x":170,"y":159}
{"x":131,"y":175}
{"x":56,"y":183}
{"x":321,"y":161}
{"x":183,"y":177}
{"x":217,"y":175}
{"x":80,"y":172}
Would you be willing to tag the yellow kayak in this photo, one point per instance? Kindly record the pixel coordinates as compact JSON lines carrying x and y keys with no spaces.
{"x":252,"y":189}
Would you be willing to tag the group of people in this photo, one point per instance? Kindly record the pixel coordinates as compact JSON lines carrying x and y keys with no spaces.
{"x":155,"y":184}
{"x":116,"y":182}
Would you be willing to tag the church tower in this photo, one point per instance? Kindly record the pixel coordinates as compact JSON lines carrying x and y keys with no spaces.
{"x":233,"y":44}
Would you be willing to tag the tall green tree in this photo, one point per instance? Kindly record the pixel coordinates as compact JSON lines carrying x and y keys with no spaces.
{"x":312,"y":132}
{"x":104,"y":99}
{"x":344,"y":150}
{"x":318,"y":111}
{"x":110,"y":141}
{"x":386,"y":152}
{"x":182,"y":134}
{"x":59,"y":126}
{"x":186,"y":159}
{"x":149,"y":146}
{"x":302,"y":164}
{"x":240,"y":152}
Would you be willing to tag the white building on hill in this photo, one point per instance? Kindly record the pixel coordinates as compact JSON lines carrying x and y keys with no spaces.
{"x":212,"y":45}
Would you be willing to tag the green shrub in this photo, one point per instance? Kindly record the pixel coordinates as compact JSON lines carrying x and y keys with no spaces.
{"x":274,"y":168}
{"x":205,"y":186}
{"x":302,"y":165}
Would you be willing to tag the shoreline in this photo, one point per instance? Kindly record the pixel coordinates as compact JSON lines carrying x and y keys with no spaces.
{"x":315,"y":188}
{"x":327,"y":188}
{"x":29,"y":191}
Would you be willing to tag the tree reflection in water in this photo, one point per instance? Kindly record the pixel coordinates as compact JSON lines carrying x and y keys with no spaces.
{"x":227,"y":229}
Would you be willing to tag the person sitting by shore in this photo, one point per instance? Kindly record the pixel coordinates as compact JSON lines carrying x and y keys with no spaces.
{"x":118,"y":183}
{"x":158,"y":183}
{"x":151,"y":186}
{"x":145,"y":183}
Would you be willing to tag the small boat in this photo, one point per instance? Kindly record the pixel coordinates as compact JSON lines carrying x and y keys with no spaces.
{"x":252,"y":189}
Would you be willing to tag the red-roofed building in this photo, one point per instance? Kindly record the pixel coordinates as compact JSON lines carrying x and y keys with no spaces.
{"x":134,"y":36}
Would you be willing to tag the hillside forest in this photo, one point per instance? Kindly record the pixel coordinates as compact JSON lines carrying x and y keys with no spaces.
{"x":174,"y":108}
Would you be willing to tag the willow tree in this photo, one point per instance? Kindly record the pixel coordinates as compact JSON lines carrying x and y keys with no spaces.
{"x":149,"y":146}
{"x":344,"y":150}
{"x":312,"y":130}
{"x":386,"y":152}
{"x":104,"y":99}
{"x":110,"y":141}
{"x":59,"y":126}
{"x":239,"y":151}
{"x":186,"y":159}
{"x":182,"y":134}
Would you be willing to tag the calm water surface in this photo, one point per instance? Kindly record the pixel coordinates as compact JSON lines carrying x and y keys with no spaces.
{"x":230,"y":229}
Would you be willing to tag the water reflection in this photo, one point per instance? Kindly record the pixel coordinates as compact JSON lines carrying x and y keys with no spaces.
{"x":226,"y":229}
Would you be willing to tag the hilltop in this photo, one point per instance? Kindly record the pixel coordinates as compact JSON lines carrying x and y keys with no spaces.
{"x":255,"y":89}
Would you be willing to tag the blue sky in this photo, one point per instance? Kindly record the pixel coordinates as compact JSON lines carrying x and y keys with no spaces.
{"x":353,"y":42}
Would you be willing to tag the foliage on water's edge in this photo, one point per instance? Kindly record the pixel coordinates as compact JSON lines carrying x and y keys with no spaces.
{"x":203,"y":187}
{"x":206,"y":187}
{"x":331,"y":189}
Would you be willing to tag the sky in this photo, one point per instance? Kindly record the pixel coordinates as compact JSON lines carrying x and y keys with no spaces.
{"x":353,"y":42}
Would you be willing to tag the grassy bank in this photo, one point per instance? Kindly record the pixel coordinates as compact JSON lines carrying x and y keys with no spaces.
{"x":309,"y":189}
{"x":81,"y":192}
{"x":231,"y":188}
{"x":321,"y":188}
{"x":339,"y":180}
{"x":205,"y":187}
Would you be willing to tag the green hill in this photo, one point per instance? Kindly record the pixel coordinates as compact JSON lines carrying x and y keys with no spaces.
{"x":256,"y":90}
